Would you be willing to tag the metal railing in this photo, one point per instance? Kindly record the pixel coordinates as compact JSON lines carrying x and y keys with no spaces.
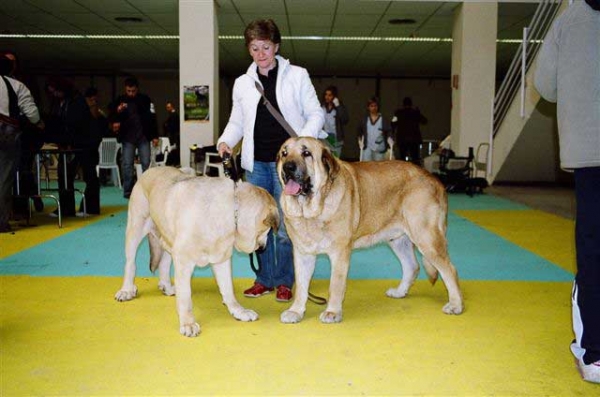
{"x":533,"y":36}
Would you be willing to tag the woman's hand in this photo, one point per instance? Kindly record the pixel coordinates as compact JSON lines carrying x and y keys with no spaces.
{"x":223,"y":148}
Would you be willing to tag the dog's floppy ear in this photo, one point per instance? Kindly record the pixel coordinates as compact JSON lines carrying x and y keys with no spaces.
{"x":272,"y":220}
{"x":330,"y":163}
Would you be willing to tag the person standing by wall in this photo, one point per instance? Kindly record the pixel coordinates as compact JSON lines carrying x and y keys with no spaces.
{"x":336,"y":117}
{"x":133,"y":114}
{"x":407,"y":132}
{"x":289,"y":89}
{"x":15,"y":98}
{"x":171,"y":130}
{"x":373,"y":133}
{"x":568,"y":73}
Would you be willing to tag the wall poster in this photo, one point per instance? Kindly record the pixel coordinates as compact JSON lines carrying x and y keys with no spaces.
{"x":196,"y":104}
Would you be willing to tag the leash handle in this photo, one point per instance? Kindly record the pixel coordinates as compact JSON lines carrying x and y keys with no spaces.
{"x":229,"y":167}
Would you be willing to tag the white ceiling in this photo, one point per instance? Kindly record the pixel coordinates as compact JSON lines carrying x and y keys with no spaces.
{"x":294,"y":18}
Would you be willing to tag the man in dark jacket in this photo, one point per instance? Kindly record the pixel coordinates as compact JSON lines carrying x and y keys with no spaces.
{"x":407,"y":132}
{"x":76,"y":124}
{"x":132,"y":114}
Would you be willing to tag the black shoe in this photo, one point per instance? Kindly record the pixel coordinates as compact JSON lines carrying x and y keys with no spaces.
{"x":5,"y":228}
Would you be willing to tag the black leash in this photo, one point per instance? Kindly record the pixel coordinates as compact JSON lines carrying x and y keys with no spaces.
{"x":230,"y":170}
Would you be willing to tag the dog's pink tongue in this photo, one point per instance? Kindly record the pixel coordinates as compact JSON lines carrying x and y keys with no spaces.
{"x":292,"y":188}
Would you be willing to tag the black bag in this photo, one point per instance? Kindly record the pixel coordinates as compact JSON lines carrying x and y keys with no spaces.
{"x":9,"y":125}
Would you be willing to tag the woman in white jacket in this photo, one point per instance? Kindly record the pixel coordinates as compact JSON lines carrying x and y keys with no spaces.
{"x":289,"y":90}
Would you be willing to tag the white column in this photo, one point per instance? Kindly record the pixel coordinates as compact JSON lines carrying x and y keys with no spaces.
{"x":473,"y":73}
{"x":198,"y":66}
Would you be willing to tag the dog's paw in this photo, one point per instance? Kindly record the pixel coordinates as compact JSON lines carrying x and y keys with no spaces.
{"x":190,"y":330}
{"x":167,"y":289}
{"x":396,"y":293}
{"x":126,"y":294}
{"x":290,"y":317}
{"x":450,"y":308}
{"x":245,"y":315}
{"x":330,"y":317}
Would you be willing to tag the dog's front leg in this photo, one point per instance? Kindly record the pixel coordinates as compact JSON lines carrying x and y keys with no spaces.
{"x":164,"y":273}
{"x":340,"y":263}
{"x":304,"y":267}
{"x":222,"y":272}
{"x":183,"y":278}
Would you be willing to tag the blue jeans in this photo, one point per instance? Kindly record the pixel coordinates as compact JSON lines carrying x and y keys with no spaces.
{"x":128,"y":157}
{"x":276,"y":261}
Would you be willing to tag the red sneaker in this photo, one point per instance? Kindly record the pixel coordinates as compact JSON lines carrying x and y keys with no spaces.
{"x":257,"y":290}
{"x":284,"y":294}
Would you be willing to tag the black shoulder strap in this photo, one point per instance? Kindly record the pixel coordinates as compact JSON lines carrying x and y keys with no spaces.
{"x":274,"y":112}
{"x":13,"y":100}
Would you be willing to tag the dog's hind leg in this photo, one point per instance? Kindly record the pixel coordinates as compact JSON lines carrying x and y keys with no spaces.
{"x":434,"y":250}
{"x":160,"y":259}
{"x":138,"y":225}
{"x":223,"y":276}
{"x":405,"y":251}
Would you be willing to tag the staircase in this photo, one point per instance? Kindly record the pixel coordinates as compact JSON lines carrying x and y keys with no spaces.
{"x":524,"y":140}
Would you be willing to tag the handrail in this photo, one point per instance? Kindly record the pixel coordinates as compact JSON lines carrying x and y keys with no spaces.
{"x":514,"y":80}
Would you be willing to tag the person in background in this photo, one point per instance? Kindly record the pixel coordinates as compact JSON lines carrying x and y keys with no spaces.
{"x":568,"y":73}
{"x":171,"y":130}
{"x":15,"y":99}
{"x":336,"y":117}
{"x":289,"y":89}
{"x":78,"y":124}
{"x":31,"y":142}
{"x":373,"y":133}
{"x":407,"y":132}
{"x":91,"y":127}
{"x":135,"y":119}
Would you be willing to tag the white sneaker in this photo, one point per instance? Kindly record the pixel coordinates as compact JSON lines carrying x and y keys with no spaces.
{"x":82,"y":215}
{"x":590,"y":372}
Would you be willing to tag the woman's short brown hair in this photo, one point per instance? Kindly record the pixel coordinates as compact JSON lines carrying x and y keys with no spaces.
{"x":262,"y":29}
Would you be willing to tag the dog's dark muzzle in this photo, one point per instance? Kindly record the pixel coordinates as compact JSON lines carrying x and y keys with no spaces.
{"x":295,"y":180}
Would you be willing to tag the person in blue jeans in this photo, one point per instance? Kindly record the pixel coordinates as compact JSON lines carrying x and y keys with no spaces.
{"x":289,"y":89}
{"x":132,"y":115}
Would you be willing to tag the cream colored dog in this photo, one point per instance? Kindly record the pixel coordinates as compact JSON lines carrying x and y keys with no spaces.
{"x":196,"y":221}
{"x":331,"y":207}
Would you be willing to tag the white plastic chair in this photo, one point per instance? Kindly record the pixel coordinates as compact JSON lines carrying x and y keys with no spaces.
{"x":481,"y":160}
{"x":109,"y":147}
{"x":164,"y":146}
{"x":218,"y":165}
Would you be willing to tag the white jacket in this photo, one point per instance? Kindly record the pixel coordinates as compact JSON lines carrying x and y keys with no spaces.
{"x":25,"y":100}
{"x":296,"y":98}
{"x":568,"y":72}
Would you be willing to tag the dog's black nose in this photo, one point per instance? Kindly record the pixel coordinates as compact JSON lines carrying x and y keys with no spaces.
{"x":289,"y":167}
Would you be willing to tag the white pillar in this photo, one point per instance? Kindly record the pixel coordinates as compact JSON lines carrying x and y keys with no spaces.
{"x":198,"y":66}
{"x":473,"y":73}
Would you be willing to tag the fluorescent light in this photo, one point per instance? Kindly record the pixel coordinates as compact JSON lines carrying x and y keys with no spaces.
{"x":240,"y":37}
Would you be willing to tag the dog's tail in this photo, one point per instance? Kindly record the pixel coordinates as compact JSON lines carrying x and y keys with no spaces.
{"x":432,"y":272}
{"x":156,"y":251}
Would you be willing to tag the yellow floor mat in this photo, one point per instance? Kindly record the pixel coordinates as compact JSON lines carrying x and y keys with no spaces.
{"x":67,"y":336}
